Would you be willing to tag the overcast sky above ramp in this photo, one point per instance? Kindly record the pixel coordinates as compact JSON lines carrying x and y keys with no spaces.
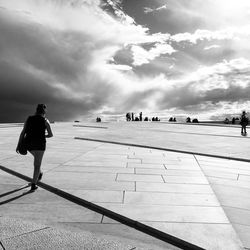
{"x":93,"y":57}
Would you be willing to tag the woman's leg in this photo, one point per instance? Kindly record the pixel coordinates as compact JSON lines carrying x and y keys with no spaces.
{"x":245,"y":129}
{"x":38,"y":156}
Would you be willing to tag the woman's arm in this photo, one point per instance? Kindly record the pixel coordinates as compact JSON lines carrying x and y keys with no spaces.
{"x":48,"y":128}
{"x":22,"y":134}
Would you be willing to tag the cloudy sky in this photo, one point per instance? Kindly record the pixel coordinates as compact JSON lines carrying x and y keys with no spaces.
{"x":88,"y":58}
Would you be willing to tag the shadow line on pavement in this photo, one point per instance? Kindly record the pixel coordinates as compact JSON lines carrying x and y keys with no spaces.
{"x":165,"y":149}
{"x":13,"y":191}
{"x":112,"y":215}
{"x":15,"y":198}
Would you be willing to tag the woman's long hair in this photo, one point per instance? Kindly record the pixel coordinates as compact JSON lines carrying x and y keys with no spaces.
{"x":40,"y":109}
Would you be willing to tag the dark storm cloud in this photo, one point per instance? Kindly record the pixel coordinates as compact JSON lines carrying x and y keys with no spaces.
{"x":42,"y":65}
{"x":20,"y":92}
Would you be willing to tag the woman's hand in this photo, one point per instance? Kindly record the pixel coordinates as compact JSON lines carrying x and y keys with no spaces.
{"x":17,"y":149}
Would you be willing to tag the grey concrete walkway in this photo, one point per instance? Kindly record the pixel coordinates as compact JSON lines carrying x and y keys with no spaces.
{"x":42,"y":220}
{"x":199,"y":199}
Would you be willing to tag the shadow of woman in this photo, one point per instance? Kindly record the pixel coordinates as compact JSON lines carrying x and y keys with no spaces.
{"x":16,"y":197}
{"x":15,"y":190}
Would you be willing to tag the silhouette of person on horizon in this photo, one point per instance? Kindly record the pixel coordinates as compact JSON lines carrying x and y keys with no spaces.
{"x":128,"y":118}
{"x":243,"y":123}
{"x":35,"y":131}
{"x":140,"y":116}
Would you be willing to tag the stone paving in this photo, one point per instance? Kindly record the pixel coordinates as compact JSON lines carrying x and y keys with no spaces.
{"x":202,"y":200}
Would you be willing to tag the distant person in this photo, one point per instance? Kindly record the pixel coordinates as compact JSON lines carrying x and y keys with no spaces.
{"x":243,"y":123}
{"x":140,"y":116}
{"x":35,"y":131}
{"x":226,"y":121}
{"x":233,"y":120}
{"x":128,"y":118}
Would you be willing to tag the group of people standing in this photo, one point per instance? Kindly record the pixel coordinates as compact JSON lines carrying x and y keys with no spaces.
{"x":131,"y":117}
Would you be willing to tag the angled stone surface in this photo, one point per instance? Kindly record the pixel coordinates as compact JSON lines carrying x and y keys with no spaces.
{"x":221,"y":174}
{"x":211,"y":236}
{"x":238,"y":215}
{"x":243,"y":232}
{"x":178,"y":214}
{"x":180,"y":194}
{"x":227,"y":182}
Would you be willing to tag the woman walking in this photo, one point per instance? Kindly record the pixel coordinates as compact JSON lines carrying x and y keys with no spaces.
{"x":35,"y":131}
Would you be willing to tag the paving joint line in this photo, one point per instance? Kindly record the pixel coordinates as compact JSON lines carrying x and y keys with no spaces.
{"x":112,"y":215}
{"x":26,"y":233}
{"x":163,"y":179}
{"x":123,"y":196}
{"x":239,"y":208}
{"x":165,"y":149}
{"x":231,"y":136}
{"x":85,"y":126}
{"x":218,"y":200}
{"x":81,"y":222}
{"x":102,"y":219}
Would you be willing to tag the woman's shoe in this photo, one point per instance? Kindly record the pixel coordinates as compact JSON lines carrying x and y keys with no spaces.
{"x":33,"y":187}
{"x":40,"y":176}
